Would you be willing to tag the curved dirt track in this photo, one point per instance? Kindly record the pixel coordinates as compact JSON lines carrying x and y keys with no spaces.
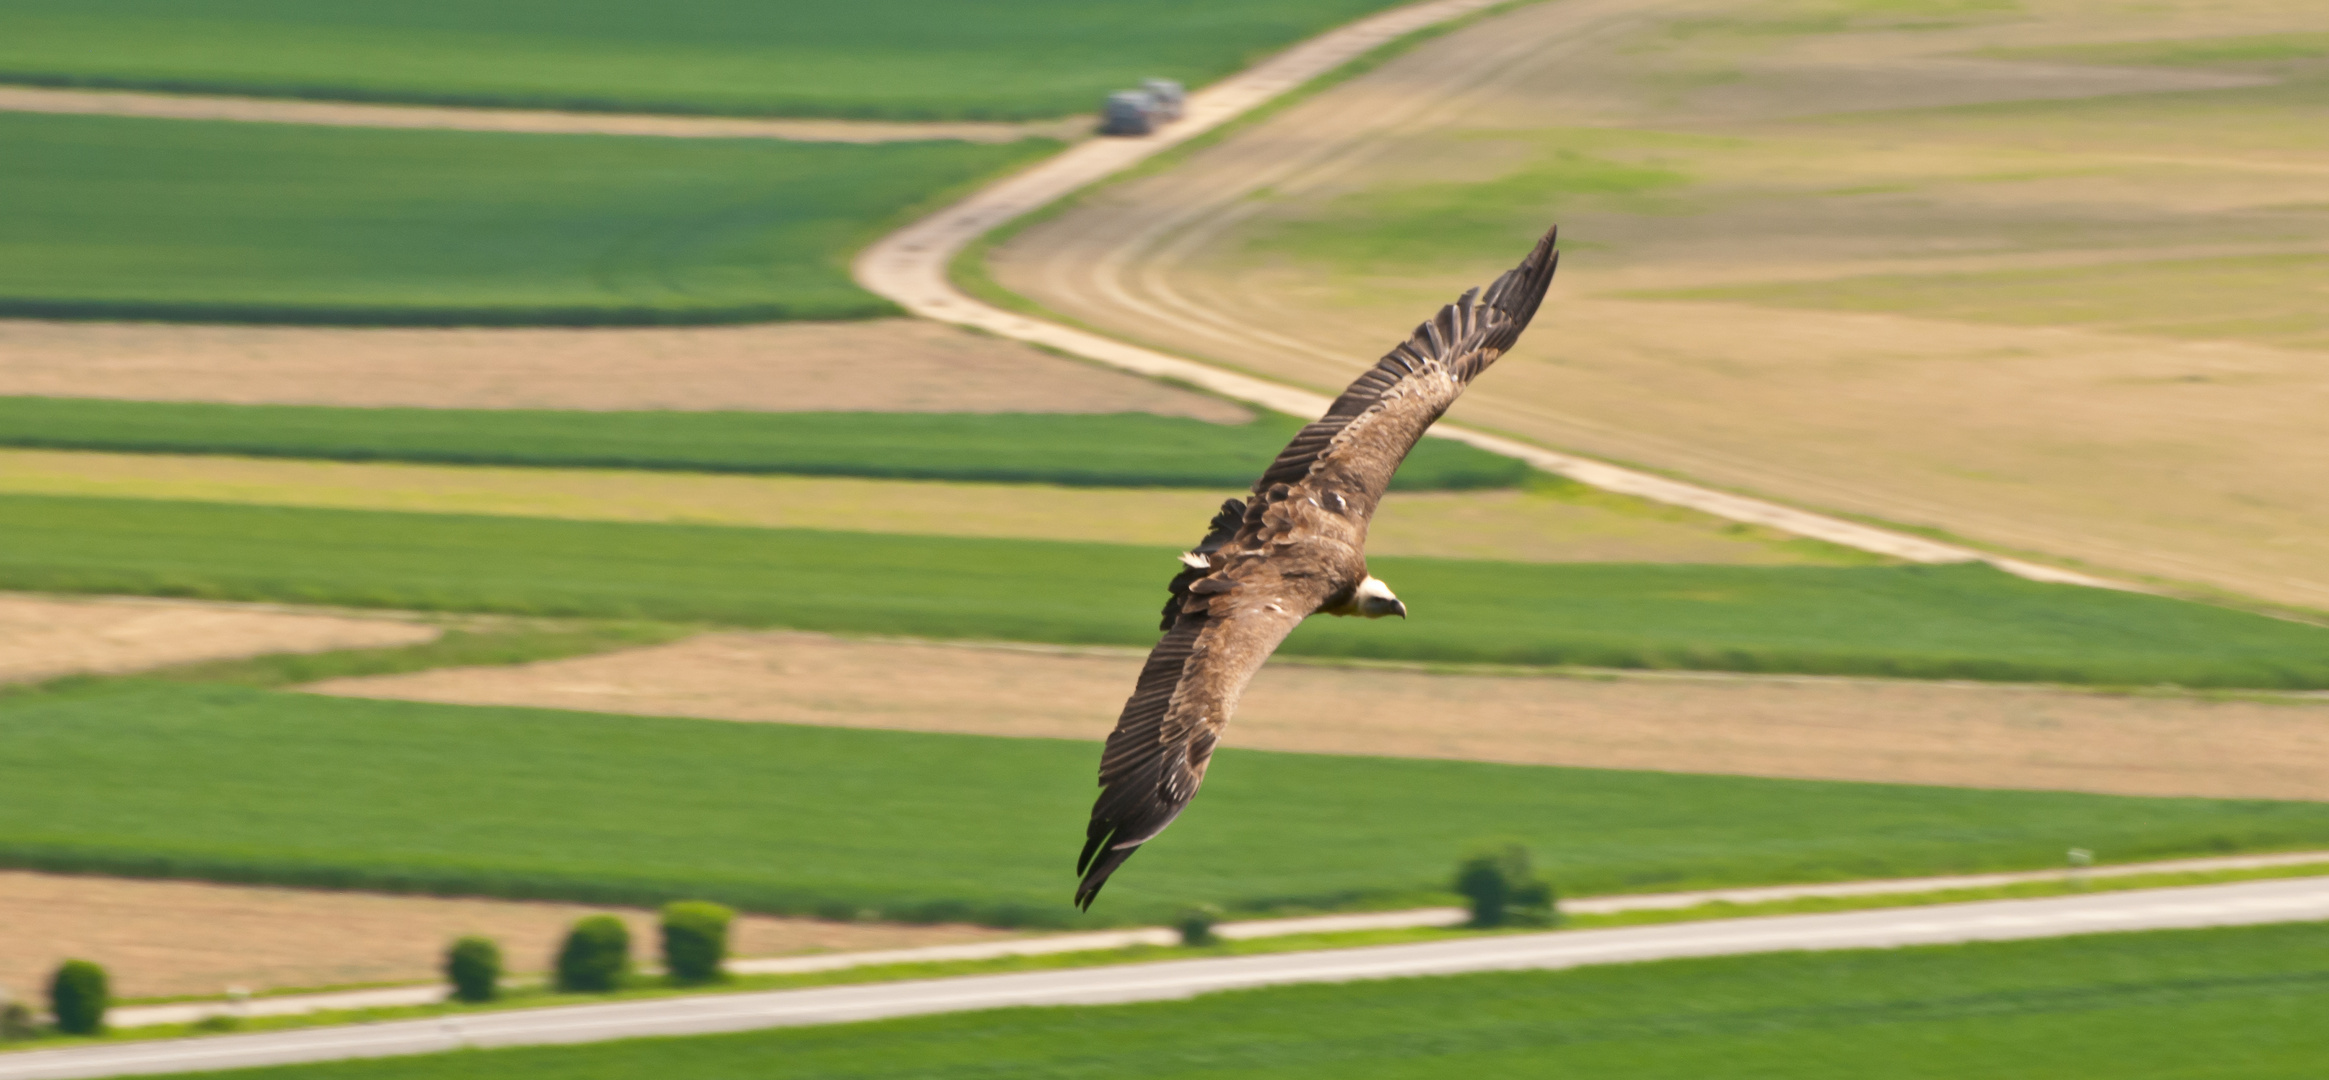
{"x":2063,"y":454}
{"x":38,"y":99}
{"x":910,"y":266}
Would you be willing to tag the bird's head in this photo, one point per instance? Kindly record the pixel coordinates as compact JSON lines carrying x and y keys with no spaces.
{"x":1374,"y":600}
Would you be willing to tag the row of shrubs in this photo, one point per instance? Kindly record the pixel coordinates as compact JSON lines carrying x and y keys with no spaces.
{"x":596,"y":955}
{"x":595,"y":958}
{"x":1500,"y":886}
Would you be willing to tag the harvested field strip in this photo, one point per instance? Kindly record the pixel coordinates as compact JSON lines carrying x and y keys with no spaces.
{"x":44,"y":637}
{"x":889,"y":59}
{"x":1547,"y":522}
{"x":170,"y":938}
{"x":1113,"y":450}
{"x":1962,"y":621}
{"x":877,"y":365}
{"x":243,"y":785}
{"x":2237,"y":1004}
{"x":1812,"y":729}
{"x":117,"y":218}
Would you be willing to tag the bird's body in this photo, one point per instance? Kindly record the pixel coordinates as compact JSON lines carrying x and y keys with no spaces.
{"x":1296,"y":546}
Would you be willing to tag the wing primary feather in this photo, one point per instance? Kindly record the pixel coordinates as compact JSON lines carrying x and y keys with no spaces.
{"x":1463,"y":338}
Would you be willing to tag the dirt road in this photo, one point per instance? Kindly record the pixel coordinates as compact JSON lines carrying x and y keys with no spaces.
{"x":910,"y":267}
{"x":1282,"y":251}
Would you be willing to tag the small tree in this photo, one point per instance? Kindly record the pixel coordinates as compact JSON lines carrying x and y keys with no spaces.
{"x":473,"y":966}
{"x":1196,"y":925}
{"x":596,"y":956}
{"x":695,"y":940}
{"x":16,"y":1020}
{"x":78,"y":995}
{"x":1504,"y":889}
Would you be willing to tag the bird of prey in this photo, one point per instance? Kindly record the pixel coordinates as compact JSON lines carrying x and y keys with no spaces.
{"x":1293,"y":548}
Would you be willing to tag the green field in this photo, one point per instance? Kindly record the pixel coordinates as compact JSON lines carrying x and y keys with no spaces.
{"x":241,"y":784}
{"x":1966,"y":621}
{"x":2271,"y":299}
{"x":199,"y":221}
{"x":1111,"y":450}
{"x":2233,"y":1004}
{"x":896,"y":59}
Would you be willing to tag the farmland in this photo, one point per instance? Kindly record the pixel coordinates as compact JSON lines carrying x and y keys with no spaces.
{"x":1965,"y":621}
{"x":1115,"y":450}
{"x":1542,"y":521}
{"x":2047,"y":275}
{"x":889,"y":59}
{"x":247,"y":785}
{"x":2234,"y":1003}
{"x":1986,"y":735}
{"x":871,"y":365}
{"x":195,"y":221}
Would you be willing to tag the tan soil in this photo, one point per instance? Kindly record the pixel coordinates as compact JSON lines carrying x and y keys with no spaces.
{"x":352,"y":114}
{"x":891,"y":365}
{"x":1511,"y":525}
{"x":2200,"y":461}
{"x":170,"y":938}
{"x":1828,"y":729}
{"x":42,"y":637}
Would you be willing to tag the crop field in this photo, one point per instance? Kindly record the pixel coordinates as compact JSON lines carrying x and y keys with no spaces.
{"x":1889,"y":731}
{"x":1542,"y":521}
{"x":2047,"y":275}
{"x":1967,"y":621}
{"x":867,"y":365}
{"x":2237,"y":1004}
{"x":1114,"y":449}
{"x":199,"y":221}
{"x":890,"y":59}
{"x":257,"y":786}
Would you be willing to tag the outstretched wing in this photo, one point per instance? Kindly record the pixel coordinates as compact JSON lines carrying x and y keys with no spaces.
{"x":1352,"y":451}
{"x":1227,"y":613}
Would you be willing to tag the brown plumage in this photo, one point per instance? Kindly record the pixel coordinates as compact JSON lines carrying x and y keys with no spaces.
{"x":1295,"y":547}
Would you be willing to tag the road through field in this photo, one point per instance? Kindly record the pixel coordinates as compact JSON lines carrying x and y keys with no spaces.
{"x":910,"y":267}
{"x":2244,"y":904}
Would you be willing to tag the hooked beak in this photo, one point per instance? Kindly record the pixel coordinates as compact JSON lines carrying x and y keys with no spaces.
{"x":1399,"y":608}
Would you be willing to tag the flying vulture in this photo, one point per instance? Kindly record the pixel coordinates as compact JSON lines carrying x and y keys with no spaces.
{"x":1291,"y":549}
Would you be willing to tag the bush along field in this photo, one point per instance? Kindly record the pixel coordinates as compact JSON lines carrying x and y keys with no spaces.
{"x":1112,"y":450}
{"x":886,"y":59}
{"x":115,"y":218}
{"x":1963,"y":621}
{"x":2234,"y":1004}
{"x":239,"y":784}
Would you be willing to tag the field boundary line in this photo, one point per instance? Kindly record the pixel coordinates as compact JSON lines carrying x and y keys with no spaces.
{"x":1051,"y":945}
{"x":2194,"y":907}
{"x":910,"y":268}
{"x":323,"y":113}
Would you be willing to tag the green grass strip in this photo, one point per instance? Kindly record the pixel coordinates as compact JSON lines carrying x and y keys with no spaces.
{"x":889,"y":59}
{"x":120,"y":218}
{"x":1110,"y":450}
{"x":2230,"y":1004}
{"x":237,"y":784}
{"x":1963,"y":621}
